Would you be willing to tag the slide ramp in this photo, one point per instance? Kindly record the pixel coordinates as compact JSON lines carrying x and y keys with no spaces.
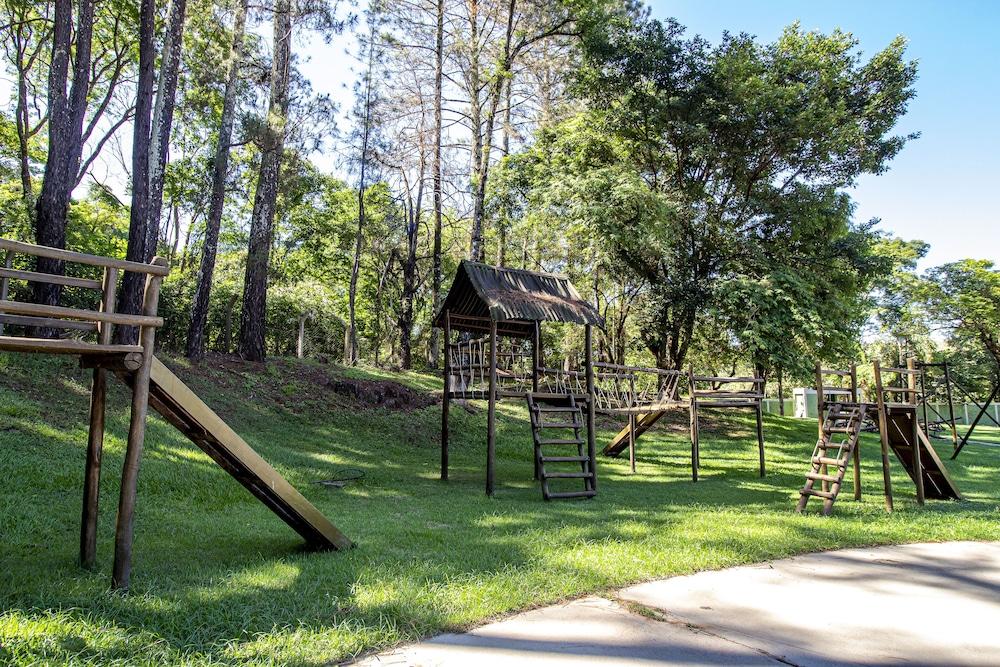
{"x":643,"y":423}
{"x":937,"y":483}
{"x":175,"y":401}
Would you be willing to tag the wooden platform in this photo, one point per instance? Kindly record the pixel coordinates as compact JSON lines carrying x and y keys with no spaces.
{"x":175,"y":401}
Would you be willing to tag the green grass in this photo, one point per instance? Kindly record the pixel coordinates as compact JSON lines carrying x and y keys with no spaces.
{"x":219,"y":579}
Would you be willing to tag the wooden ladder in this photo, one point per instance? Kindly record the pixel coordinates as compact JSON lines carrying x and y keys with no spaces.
{"x":553,"y":419}
{"x":844,"y":424}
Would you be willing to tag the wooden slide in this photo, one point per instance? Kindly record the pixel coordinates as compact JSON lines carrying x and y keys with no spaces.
{"x":181,"y":407}
{"x":937,"y":483}
{"x":643,"y":423}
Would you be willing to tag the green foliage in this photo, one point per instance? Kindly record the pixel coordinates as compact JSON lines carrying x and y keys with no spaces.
{"x":964,"y":297}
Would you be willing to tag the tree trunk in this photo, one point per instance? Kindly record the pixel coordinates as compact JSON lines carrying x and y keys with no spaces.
{"x":476,"y":248}
{"x":438,"y":276}
{"x":66,"y":114}
{"x":153,"y":145}
{"x":410,"y":273}
{"x":217,"y":200}
{"x":253,"y":315}
{"x":781,"y":392}
{"x":351,"y":335}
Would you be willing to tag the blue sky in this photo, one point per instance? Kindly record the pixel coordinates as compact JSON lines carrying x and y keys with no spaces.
{"x":943,"y":187}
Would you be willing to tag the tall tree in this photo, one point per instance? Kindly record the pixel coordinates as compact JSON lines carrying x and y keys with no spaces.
{"x":366,"y":121}
{"x":272,"y":144}
{"x":437,"y":270}
{"x":220,"y":168}
{"x":150,"y":144}
{"x":67,"y":110}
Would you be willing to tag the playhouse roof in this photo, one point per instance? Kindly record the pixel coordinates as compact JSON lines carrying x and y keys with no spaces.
{"x":514,"y":298}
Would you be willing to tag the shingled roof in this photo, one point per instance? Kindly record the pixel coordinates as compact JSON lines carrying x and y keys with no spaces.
{"x":516,"y":297}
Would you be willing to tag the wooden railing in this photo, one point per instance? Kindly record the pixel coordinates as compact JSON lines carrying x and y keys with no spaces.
{"x":34,"y":316}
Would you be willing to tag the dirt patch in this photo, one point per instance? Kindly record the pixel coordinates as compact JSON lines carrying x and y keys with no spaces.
{"x":300,"y":387}
{"x":381,"y":394}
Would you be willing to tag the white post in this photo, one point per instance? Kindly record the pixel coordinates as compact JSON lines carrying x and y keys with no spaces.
{"x":301,"y":346}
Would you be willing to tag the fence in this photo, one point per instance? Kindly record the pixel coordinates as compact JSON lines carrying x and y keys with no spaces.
{"x":803,"y":405}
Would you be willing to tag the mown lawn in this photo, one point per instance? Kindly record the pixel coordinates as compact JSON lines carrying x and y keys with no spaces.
{"x":218,"y":579}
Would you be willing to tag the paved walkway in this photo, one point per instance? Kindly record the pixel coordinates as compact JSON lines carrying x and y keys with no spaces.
{"x":926,"y":604}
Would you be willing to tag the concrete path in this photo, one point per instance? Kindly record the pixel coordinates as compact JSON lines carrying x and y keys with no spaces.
{"x":924,"y":604}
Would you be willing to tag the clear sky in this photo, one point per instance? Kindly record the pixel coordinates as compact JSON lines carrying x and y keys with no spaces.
{"x":943,"y":188}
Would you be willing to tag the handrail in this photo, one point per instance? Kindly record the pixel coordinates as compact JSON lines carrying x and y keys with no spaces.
{"x":83,"y":258}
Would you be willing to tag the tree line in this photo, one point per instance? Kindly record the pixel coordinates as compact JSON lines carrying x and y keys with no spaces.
{"x":698,"y":193}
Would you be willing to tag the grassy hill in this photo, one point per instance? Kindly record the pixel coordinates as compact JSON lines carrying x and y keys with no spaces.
{"x":219,"y":579}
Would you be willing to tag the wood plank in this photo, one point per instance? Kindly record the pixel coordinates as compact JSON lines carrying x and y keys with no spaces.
{"x":50,"y":278}
{"x":48,"y":322}
{"x":62,"y":346}
{"x":83,"y":258}
{"x":78,"y":314}
{"x":187,"y":406}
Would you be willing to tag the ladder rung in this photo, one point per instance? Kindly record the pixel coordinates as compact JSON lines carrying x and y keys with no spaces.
{"x":555,"y":408}
{"x":561,"y":425}
{"x":565,"y":459}
{"x":828,"y":461}
{"x":557,"y":441}
{"x":824,"y":478}
{"x":839,"y":429}
{"x":818,"y":493}
{"x":573,"y":494}
{"x":567,"y":475}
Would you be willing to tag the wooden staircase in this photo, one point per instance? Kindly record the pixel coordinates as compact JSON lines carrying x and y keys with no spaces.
{"x":557,"y":423}
{"x":835,"y":447}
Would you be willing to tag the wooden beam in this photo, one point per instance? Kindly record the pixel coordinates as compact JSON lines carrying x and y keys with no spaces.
{"x":50,"y":278}
{"x":95,"y":437}
{"x":62,"y":346}
{"x":446,"y":401}
{"x":161,"y":269}
{"x":78,"y":314}
{"x":125,"y":525}
{"x":588,"y":345}
{"x":918,"y":469}
{"x":491,"y":415}
{"x":883,"y":429}
{"x":48,"y":322}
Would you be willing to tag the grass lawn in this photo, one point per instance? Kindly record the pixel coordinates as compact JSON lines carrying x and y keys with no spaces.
{"x":218,"y":579}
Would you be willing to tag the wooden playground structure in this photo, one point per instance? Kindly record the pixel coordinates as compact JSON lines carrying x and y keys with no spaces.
{"x":703,"y":392}
{"x":934,"y":420}
{"x":151,"y":384}
{"x":896,"y":411}
{"x":509,"y":305}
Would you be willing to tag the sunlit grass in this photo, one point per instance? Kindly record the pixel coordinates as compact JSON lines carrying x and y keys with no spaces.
{"x":219,"y":579}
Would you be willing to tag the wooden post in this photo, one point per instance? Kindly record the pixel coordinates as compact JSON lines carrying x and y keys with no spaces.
{"x":631,"y":440}
{"x":884,"y":436}
{"x":125,"y":525}
{"x":951,"y":407}
{"x":693,"y":414}
{"x":918,"y":468}
{"x":591,"y":405}
{"x":536,"y":363}
{"x":760,"y":438}
{"x":820,"y":415}
{"x":300,"y":344}
{"x":491,"y":415}
{"x":446,"y":400}
{"x":857,"y":445}
{"x":8,"y":262}
{"x":95,"y":438}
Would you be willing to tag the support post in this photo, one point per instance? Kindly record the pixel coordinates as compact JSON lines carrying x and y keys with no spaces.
{"x":591,"y":405}
{"x":760,"y":438}
{"x":491,"y":416}
{"x":300,"y":343}
{"x":95,"y":437}
{"x":446,"y":400}
{"x":536,"y":363}
{"x":124,"y":528}
{"x":693,"y":415}
{"x":631,"y":441}
{"x":883,"y":431}
{"x":918,"y":468}
{"x":975,"y":422}
{"x":821,"y":416}
{"x":951,"y":407}
{"x":857,"y":446}
{"x":8,"y":262}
